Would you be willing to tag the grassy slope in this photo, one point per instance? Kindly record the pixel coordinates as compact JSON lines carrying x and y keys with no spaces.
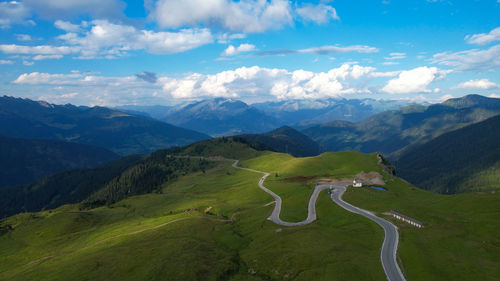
{"x":293,"y":178}
{"x":461,"y":241}
{"x":200,"y":246}
{"x":459,"y":244}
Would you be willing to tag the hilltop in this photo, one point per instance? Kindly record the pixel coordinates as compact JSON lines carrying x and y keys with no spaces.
{"x":286,"y":140}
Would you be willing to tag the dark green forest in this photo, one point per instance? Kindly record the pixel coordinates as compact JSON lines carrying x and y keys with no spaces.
{"x":464,"y":160}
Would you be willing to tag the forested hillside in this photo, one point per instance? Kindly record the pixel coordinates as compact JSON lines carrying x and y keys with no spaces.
{"x":119,"y":179}
{"x":464,"y":160}
{"x":25,"y":160}
{"x":393,"y":132}
{"x":286,"y":140}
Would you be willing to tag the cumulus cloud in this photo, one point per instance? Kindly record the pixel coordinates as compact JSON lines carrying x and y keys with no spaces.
{"x":414,"y":81}
{"x":243,"y":48}
{"x":322,"y":50}
{"x":248,"y":16}
{"x":484,"y":38}
{"x":242,"y":83}
{"x":279,"y":83}
{"x":483,"y":84}
{"x":319,"y":14}
{"x":474,"y":59}
{"x":102,"y":39}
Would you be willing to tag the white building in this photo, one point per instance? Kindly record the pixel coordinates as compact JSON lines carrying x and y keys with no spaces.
{"x":356,"y":183}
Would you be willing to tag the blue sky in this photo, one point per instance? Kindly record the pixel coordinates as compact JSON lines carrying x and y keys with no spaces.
{"x":113,"y":52}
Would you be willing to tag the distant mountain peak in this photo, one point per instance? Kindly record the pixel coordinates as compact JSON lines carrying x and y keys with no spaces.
{"x":469,"y":100}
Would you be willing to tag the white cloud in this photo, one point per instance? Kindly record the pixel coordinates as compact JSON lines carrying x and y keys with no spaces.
{"x":6,"y":62}
{"x":322,"y":50}
{"x":414,"y":81}
{"x":67,"y":26}
{"x":484,"y":38}
{"x":484,"y":84}
{"x":57,"y":9}
{"x":244,"y":16}
{"x":37,"y":50}
{"x":243,"y":83}
{"x":319,"y":14}
{"x":47,"y":57}
{"x":390,"y":63}
{"x":16,"y":12}
{"x":396,"y":56}
{"x":474,"y":59}
{"x":231,"y":50}
{"x":12,"y":12}
{"x":23,"y":37}
{"x":281,"y":84}
{"x":325,"y":50}
{"x":227,"y":37}
{"x":495,"y":95}
{"x":37,"y":78}
{"x":102,"y":39}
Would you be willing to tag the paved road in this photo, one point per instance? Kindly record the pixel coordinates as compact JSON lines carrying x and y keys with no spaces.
{"x":275,"y":215}
{"x":390,"y":245}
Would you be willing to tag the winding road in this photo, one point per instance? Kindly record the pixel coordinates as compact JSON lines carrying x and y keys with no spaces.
{"x":391,"y":239}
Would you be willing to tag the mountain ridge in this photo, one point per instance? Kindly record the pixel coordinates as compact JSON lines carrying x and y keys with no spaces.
{"x":120,"y":132}
{"x":392,"y":132}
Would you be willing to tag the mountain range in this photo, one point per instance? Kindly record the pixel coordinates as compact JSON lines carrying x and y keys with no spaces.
{"x":117,"y":131}
{"x":224,"y":117}
{"x":221,"y":117}
{"x":392,"y":132}
{"x":305,"y":113}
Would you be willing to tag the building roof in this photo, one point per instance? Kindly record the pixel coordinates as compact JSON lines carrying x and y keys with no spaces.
{"x":408,"y":218}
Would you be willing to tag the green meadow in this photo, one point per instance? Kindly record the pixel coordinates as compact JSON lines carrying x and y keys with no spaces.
{"x":212,"y":226}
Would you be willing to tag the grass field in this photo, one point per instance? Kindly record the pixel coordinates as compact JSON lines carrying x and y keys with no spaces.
{"x":212,"y":226}
{"x":461,"y":241}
